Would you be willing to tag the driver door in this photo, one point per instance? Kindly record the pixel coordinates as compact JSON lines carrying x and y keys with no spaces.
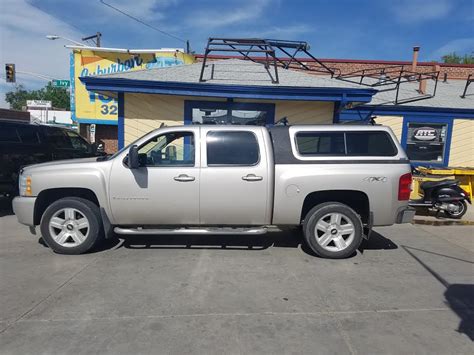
{"x":164,"y":190}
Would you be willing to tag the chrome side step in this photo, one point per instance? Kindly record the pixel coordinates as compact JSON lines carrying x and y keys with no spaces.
{"x":184,"y":231}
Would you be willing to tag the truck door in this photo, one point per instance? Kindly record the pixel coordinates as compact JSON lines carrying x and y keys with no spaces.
{"x":165,"y":188}
{"x":235,"y":182}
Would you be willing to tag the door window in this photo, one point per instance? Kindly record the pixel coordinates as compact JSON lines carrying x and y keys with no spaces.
{"x":8,"y":134}
{"x":232,"y":148}
{"x":77,"y":142}
{"x":29,"y":135}
{"x":426,"y":142}
{"x":58,"y":138}
{"x":170,"y":149}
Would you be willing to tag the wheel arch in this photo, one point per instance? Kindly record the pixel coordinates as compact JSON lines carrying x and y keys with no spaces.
{"x":357,"y":200}
{"x":48,"y":196}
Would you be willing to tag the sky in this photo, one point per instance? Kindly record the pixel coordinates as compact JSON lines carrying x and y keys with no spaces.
{"x":351,"y":29}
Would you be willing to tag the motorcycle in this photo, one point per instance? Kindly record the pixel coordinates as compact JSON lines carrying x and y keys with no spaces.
{"x":444,"y":195}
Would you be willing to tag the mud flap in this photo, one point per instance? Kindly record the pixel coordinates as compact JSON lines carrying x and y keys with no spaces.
{"x":108,"y":229}
{"x":368,"y":227}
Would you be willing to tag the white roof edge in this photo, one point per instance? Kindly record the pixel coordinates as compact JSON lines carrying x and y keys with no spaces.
{"x":123,"y":50}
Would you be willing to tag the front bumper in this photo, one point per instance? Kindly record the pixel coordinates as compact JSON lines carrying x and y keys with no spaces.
{"x":405,"y":215}
{"x":24,"y":208}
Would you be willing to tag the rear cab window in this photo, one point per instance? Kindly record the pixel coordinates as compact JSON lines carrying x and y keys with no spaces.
{"x":344,"y":143}
{"x":232,"y":148}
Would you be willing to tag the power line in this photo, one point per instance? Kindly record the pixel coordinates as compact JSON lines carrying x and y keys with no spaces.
{"x":142,"y":22}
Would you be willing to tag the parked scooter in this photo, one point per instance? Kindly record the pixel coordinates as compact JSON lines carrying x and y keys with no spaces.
{"x":444,"y":195}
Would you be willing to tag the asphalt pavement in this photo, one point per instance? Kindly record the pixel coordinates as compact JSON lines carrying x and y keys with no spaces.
{"x":411,"y":290}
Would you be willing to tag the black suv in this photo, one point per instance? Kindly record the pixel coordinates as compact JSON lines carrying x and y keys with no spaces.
{"x":22,"y":144}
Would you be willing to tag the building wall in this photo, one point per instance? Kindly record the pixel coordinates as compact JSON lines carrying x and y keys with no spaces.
{"x":462,"y":143}
{"x":309,"y":112}
{"x":145,"y":112}
{"x":105,"y":134}
{"x":394,"y":122}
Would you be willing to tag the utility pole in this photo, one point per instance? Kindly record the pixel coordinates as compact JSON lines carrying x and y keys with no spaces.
{"x":97,"y":37}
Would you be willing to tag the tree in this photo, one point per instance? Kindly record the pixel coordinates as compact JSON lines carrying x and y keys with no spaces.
{"x":59,"y":97}
{"x":453,"y":58}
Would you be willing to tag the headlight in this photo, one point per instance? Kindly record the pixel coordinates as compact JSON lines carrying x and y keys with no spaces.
{"x":25,"y":185}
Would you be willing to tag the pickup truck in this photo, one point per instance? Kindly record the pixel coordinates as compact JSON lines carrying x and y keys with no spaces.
{"x":335,"y":181}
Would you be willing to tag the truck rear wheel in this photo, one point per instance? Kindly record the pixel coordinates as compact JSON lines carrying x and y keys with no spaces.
{"x":71,"y":225}
{"x":333,"y":230}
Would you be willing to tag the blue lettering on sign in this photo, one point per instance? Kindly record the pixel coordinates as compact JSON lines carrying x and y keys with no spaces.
{"x":162,"y":62}
{"x":127,"y":65}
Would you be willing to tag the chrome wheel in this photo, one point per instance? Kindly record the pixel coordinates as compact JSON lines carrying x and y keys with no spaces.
{"x":456,"y":209}
{"x":69,"y":227}
{"x":334,"y":232}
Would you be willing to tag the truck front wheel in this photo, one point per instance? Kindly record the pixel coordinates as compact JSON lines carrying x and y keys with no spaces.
{"x":71,"y":225}
{"x":333,"y":230}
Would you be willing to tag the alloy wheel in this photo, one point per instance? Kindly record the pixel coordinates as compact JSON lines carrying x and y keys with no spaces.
{"x":334,"y":231}
{"x":69,"y":227}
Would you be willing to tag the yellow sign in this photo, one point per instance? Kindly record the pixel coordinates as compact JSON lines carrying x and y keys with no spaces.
{"x":89,"y":107}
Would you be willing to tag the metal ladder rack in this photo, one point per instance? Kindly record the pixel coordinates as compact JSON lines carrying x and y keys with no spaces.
{"x":266,"y":53}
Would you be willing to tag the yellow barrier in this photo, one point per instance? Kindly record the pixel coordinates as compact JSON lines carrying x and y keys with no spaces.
{"x":465,"y":176}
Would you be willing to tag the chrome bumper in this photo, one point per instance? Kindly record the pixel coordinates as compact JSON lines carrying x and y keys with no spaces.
{"x":24,"y":208}
{"x":405,"y":215}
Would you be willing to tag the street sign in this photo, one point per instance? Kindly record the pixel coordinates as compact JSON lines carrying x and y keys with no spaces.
{"x":61,"y":83}
{"x":38,"y":103}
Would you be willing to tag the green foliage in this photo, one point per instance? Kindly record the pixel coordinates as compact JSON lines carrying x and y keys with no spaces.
{"x":58,"y":96}
{"x":453,"y":58}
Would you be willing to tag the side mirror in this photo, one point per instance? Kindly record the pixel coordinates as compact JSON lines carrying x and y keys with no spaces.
{"x":133,"y":161}
{"x":98,"y":148}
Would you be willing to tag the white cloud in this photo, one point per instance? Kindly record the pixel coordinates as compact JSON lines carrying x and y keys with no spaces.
{"x":416,"y":11}
{"x":460,"y":46}
{"x":281,"y":32}
{"x":148,"y":10}
{"x":23,"y":28}
{"x":208,"y":18}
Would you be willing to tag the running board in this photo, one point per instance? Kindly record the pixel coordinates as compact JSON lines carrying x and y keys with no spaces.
{"x":184,"y":231}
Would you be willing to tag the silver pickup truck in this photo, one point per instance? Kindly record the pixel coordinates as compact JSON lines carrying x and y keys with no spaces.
{"x":336,"y":181}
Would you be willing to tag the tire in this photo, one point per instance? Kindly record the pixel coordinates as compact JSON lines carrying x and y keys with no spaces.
{"x":462,"y":211}
{"x":333,"y":230}
{"x":61,"y":226}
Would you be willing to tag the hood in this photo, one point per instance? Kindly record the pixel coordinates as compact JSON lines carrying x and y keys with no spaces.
{"x":59,"y":164}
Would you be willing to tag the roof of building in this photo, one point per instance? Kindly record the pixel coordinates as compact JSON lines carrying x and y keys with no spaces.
{"x":234,"y":78}
{"x":448,"y":95}
{"x":233,"y":72}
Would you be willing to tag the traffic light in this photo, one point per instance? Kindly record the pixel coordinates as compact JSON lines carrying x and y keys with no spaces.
{"x":10,"y":73}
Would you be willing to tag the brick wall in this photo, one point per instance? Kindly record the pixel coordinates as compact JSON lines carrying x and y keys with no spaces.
{"x":454,"y":71}
{"x":105,"y":134}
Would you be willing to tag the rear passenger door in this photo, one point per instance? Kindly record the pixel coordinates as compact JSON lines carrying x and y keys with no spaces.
{"x":234,"y":177}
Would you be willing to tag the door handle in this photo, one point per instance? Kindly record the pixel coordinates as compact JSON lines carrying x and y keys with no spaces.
{"x":252,"y":177}
{"x":184,"y":178}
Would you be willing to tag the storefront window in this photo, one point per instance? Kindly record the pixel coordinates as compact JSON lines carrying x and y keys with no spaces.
{"x":222,"y":113}
{"x":426,"y":142}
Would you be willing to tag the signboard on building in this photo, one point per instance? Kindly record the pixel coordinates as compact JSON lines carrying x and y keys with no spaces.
{"x":425,"y":134}
{"x":42,"y":104}
{"x":88,"y":107}
{"x":92,"y":133}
